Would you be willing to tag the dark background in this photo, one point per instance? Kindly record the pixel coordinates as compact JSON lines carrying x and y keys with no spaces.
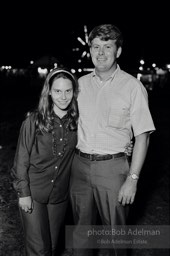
{"x":30,"y":30}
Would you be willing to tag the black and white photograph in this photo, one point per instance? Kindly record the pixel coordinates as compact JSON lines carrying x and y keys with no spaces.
{"x":84,"y":129}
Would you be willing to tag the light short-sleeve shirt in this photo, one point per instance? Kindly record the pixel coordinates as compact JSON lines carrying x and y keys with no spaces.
{"x":111,"y":113}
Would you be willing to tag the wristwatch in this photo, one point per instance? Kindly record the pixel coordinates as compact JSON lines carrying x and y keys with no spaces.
{"x":134,"y":176}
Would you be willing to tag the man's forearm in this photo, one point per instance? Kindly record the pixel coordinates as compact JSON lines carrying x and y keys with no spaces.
{"x":139,"y":153}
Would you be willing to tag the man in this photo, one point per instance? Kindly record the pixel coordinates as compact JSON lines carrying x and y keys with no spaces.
{"x":113,"y":107}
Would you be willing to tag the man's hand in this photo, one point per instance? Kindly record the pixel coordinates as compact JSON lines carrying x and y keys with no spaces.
{"x":26,"y":204}
{"x":127,"y":191}
{"x":129,"y":148}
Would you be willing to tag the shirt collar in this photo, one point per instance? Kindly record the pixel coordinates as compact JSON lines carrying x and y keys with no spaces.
{"x":58,"y":119}
{"x":111,"y":76}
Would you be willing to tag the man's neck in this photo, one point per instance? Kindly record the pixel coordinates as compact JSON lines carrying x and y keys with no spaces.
{"x":104,"y":75}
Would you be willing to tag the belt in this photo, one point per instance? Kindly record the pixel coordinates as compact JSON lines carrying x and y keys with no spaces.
{"x":98,"y":157}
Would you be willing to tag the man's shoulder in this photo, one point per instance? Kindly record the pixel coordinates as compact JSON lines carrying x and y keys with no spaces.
{"x":129,"y":79}
{"x":126,"y":75}
{"x":85,"y":77}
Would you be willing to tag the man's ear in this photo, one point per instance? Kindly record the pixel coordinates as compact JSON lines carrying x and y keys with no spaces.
{"x":119,"y":51}
{"x":90,"y":50}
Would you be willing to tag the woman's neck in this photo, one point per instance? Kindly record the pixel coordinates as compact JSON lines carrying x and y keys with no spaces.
{"x":59,"y":112}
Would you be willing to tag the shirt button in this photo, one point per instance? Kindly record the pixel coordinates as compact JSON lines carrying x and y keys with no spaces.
{"x":61,"y":139}
{"x":60,"y":125}
{"x":56,"y":167}
{"x":52,"y":181}
{"x":59,"y":153}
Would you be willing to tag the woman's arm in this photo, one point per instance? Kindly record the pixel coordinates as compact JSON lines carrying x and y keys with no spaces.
{"x":21,"y":164}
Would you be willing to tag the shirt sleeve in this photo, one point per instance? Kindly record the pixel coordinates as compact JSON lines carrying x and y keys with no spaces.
{"x":21,"y":164}
{"x":140,"y":114}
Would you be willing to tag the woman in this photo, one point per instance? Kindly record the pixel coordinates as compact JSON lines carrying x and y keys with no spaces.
{"x":42,"y":162}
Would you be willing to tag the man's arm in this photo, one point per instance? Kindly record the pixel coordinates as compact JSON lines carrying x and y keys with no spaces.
{"x":128,"y":189}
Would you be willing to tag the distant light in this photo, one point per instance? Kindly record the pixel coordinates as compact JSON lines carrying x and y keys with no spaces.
{"x":55,"y":65}
{"x":140,"y":68}
{"x":83,"y":54}
{"x":76,"y":49}
{"x":79,"y":61}
{"x":42,"y":71}
{"x":81,"y":41}
{"x":168,"y":66}
{"x":79,"y":70}
{"x":142,"y":62}
{"x":6,"y":67}
{"x":86,"y":34}
{"x":31,"y":62}
{"x":73,"y":71}
{"x":153,"y":65}
{"x":139,"y":75}
{"x":160,"y":71}
{"x":85,"y":28}
{"x":88,"y":69}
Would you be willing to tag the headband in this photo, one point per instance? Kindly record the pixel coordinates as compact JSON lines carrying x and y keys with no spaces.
{"x":55,"y":71}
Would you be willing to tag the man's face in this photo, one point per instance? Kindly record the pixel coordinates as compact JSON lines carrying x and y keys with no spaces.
{"x":104,"y":54}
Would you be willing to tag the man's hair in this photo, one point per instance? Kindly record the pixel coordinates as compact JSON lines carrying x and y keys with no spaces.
{"x":106,"y":32}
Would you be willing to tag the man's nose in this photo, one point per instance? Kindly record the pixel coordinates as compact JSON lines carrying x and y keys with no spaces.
{"x":101,"y":50}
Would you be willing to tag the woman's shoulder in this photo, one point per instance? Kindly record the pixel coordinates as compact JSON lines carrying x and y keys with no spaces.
{"x":30,"y":117}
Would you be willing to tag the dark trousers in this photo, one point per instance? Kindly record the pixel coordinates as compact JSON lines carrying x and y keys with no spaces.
{"x":94,"y":187}
{"x":42,"y":227}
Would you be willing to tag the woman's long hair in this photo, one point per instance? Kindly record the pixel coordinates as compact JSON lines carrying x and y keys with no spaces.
{"x":44,"y":114}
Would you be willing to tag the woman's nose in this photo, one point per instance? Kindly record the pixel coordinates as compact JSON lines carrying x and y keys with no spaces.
{"x":63,"y":95}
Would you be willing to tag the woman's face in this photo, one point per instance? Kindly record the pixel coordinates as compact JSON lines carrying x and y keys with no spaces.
{"x":61,"y":93}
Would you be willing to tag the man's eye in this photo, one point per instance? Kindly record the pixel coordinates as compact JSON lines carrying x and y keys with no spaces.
{"x":108,"y":46}
{"x":95,"y":47}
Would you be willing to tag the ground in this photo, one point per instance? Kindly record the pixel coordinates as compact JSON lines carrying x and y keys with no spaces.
{"x":151,"y":205}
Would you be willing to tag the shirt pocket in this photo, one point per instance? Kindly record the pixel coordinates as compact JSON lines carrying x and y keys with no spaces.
{"x":117,"y":117}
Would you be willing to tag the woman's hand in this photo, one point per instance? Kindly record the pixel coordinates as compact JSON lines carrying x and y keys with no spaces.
{"x":129,"y":148}
{"x":26,"y":204}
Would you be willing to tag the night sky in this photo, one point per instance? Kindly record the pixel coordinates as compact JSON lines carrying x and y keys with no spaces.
{"x":29,"y":31}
